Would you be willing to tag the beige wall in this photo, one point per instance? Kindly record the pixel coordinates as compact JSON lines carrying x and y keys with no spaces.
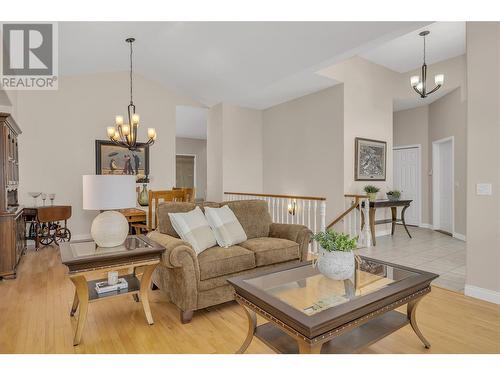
{"x":368,"y":94}
{"x":303,"y":148}
{"x":242,"y":149}
{"x":483,"y":159}
{"x":448,"y":118}
{"x":234,"y":150}
{"x":196,"y":147}
{"x":214,"y":154}
{"x":368,"y":112}
{"x":60,"y":128}
{"x":411,"y":127}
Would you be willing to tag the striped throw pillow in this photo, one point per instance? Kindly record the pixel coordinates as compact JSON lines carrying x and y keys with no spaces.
{"x":227,"y":229}
{"x":193,"y":227}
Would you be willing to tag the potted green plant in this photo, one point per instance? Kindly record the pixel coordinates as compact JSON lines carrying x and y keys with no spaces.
{"x":371,"y":191}
{"x":335,"y":258}
{"x":393,"y":195}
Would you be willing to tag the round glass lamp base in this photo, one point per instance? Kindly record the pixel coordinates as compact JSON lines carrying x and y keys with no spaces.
{"x":109,"y":229}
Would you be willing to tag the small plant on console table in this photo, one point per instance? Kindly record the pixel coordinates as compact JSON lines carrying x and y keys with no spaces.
{"x":393,"y":195}
{"x":371,"y":191}
{"x":335,"y":258}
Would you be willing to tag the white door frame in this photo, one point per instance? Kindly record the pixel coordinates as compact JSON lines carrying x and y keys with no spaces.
{"x":194,"y":177}
{"x":419,"y":177}
{"x":435,"y":182}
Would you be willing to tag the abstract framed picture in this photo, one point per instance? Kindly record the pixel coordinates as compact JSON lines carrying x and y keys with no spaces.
{"x":370,"y":160}
{"x":117,"y":160}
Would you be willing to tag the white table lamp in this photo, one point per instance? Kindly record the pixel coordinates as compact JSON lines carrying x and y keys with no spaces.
{"x":109,"y":193}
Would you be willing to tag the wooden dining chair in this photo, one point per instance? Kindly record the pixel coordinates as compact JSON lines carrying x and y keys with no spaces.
{"x":190,"y":193}
{"x":154,"y":199}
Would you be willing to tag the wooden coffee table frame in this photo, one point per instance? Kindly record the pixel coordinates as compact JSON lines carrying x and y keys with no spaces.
{"x":346,"y":328}
{"x":83,"y":274}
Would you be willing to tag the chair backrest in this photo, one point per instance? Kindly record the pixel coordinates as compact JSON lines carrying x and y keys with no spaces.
{"x":53,"y":213}
{"x":156,"y":197}
{"x":190,"y":193}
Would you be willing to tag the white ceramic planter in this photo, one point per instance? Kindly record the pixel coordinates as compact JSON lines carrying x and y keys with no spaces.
{"x":337,"y":265}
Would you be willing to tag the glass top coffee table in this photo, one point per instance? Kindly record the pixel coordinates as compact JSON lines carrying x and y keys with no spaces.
{"x":310,"y":313}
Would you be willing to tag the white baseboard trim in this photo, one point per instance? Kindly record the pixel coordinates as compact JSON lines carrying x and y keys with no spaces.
{"x":459,"y":236}
{"x":483,"y":294}
{"x":426,"y":225}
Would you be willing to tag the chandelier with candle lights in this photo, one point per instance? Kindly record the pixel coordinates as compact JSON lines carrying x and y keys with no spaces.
{"x":419,"y":83}
{"x":126,"y":134}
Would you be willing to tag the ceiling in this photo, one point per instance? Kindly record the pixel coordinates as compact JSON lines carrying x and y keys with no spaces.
{"x":191,"y":122}
{"x":405,"y":53}
{"x":252,"y":64}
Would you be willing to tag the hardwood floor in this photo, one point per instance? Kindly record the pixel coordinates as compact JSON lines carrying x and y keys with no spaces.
{"x":34,"y":318}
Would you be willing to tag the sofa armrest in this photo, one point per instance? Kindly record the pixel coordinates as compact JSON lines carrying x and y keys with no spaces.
{"x":293,"y":232}
{"x":178,"y":253}
{"x":182,"y":270}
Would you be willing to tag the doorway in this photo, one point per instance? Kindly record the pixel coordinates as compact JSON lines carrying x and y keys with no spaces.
{"x":407,"y":179}
{"x":185,"y":171}
{"x":442,"y":185}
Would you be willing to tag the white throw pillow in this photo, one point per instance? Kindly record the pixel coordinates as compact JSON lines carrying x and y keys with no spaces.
{"x":193,"y":227}
{"x":227,"y":229}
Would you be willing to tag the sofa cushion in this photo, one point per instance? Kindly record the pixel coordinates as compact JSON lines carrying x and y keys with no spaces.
{"x":226,"y":227}
{"x":164,"y":224}
{"x":253,"y":216}
{"x":219,"y":261}
{"x":193,"y":227}
{"x":272,"y":250}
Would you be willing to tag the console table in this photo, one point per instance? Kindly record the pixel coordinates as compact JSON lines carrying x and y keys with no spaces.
{"x":385,"y":203}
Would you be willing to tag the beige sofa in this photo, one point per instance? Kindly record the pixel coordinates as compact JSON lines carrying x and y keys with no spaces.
{"x":195,"y":282}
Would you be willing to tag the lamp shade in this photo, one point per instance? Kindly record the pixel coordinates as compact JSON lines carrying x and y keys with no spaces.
{"x":107,"y":192}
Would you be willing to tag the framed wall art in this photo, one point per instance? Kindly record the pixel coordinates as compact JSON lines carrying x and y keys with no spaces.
{"x":117,"y":160}
{"x":370,"y":160}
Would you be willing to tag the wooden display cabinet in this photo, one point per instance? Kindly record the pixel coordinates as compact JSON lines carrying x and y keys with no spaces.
{"x":12,"y":226}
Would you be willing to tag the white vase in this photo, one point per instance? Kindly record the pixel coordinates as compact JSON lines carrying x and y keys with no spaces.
{"x":337,"y":265}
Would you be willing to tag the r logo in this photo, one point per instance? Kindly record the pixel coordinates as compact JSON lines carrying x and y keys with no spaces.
{"x":27,"y":50}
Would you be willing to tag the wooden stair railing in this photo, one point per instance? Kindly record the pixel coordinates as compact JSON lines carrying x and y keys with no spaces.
{"x":352,"y":225}
{"x":356,"y":203}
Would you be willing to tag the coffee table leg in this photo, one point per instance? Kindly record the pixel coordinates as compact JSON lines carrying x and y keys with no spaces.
{"x":306,"y":348}
{"x":145,"y":287}
{"x":252,"y":325}
{"x":75,"y":304}
{"x":412,"y":315}
{"x":82,"y":294}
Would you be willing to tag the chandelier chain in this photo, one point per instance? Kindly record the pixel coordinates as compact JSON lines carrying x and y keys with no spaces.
{"x":424,"y":49}
{"x":131,"y":79}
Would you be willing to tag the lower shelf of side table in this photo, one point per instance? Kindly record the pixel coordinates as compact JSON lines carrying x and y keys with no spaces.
{"x":350,"y":342}
{"x":134,"y":286}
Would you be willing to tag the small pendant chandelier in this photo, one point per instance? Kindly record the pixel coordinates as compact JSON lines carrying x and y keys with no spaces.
{"x":419,"y":82}
{"x":126,"y":134}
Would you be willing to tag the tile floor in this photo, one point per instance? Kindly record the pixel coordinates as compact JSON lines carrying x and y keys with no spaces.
{"x":427,"y":250}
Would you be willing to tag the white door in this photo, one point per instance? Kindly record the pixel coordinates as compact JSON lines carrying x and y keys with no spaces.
{"x":407,"y":180}
{"x":443,"y":185}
